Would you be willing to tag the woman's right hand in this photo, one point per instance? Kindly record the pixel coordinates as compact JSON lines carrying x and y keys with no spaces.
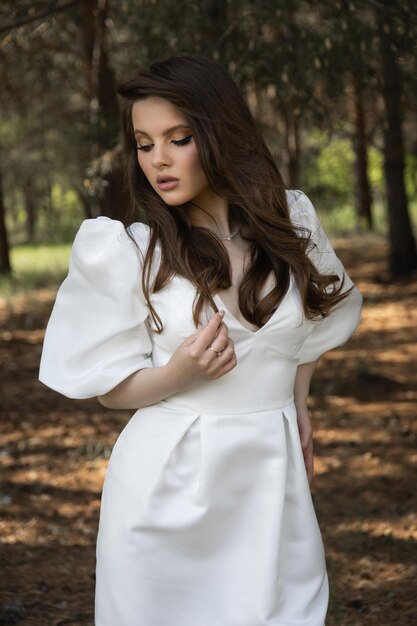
{"x":194,"y":361}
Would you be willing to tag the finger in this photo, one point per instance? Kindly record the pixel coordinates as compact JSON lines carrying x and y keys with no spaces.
{"x":222,"y":333}
{"x":226,"y":363}
{"x":215,"y":356}
{"x":209,"y":332}
{"x":222,"y":353}
{"x":223,"y":330}
{"x":221,"y":341}
{"x":227,"y":352}
{"x":191,"y":338}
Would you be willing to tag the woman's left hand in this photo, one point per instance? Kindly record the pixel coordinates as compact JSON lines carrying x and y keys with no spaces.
{"x":305,"y":429}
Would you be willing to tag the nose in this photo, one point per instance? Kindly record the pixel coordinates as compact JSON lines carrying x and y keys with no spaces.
{"x":159,"y":156}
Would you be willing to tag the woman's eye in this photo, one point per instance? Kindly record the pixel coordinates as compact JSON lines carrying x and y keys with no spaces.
{"x":177,"y":142}
{"x":182,"y":142}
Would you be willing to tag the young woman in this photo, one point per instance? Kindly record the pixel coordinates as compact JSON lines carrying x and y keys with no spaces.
{"x":209,"y":320}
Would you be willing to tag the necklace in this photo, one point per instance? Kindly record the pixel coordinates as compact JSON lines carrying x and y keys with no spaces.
{"x":230,"y":236}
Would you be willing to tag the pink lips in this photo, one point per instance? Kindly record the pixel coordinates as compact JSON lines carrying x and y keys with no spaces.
{"x":167,"y":184}
{"x":170,"y":184}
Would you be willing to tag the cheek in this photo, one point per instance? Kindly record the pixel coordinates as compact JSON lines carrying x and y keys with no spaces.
{"x":192,"y":164}
{"x":144,"y":165}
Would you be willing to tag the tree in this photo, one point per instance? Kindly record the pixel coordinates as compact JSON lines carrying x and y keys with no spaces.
{"x":403,"y":256}
{"x":5,"y":267}
{"x":357,"y":116}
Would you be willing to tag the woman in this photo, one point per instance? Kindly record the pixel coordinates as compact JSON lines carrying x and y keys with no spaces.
{"x":206,"y":516}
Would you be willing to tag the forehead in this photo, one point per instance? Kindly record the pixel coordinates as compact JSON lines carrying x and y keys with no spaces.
{"x":154,"y":115}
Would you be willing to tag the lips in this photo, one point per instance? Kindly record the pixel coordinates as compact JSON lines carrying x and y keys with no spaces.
{"x":166,"y":183}
{"x":165,"y":179}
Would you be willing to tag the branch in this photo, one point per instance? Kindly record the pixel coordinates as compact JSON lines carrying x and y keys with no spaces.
{"x":32,"y":18}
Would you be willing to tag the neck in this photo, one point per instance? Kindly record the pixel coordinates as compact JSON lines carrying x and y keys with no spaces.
{"x":211,"y":211}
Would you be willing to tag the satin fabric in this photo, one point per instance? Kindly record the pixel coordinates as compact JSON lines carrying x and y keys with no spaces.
{"x":206,"y":516}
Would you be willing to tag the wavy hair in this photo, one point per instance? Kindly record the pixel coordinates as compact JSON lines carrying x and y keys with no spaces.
{"x":240,"y":168}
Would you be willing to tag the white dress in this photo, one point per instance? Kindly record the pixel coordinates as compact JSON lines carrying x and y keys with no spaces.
{"x":206,"y":516}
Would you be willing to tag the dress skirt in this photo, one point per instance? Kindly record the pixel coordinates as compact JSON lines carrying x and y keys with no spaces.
{"x":207,"y":520}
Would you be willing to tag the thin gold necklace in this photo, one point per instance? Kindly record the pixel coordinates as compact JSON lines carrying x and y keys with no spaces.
{"x":230,"y":236}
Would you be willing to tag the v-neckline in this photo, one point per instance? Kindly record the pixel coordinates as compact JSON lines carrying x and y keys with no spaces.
{"x":239,"y":323}
{"x":234,"y":318}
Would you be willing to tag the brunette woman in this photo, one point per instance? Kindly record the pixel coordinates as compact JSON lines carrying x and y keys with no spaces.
{"x":207,"y":317}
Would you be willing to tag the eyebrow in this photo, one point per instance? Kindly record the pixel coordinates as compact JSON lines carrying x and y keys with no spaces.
{"x":166,"y":132}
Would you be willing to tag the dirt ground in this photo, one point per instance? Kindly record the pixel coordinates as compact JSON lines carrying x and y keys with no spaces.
{"x":54,"y":453}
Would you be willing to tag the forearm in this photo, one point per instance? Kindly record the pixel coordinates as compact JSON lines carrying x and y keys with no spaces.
{"x":142,"y":388}
{"x":191,"y":364}
{"x":303,"y":378}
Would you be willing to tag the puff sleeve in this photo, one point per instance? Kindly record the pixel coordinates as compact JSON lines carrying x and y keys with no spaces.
{"x":97,"y":334}
{"x":343,"y":319}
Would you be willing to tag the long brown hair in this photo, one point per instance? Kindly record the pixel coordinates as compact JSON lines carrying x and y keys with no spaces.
{"x":240,"y":168}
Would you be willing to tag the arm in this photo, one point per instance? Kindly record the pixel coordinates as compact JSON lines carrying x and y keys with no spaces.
{"x":192,"y":363}
{"x":328,"y":333}
{"x":142,"y":388}
{"x":303,"y":378}
{"x":96,"y":335}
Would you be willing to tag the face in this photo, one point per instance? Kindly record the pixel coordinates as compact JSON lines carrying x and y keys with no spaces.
{"x":166,"y":147}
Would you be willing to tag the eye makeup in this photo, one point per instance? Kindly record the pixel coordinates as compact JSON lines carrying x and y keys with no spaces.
{"x":177,"y":142}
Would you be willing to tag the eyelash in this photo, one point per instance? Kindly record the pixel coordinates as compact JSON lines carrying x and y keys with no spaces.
{"x":179,"y":142}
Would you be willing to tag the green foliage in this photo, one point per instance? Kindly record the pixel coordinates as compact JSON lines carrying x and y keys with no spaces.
{"x":35,"y":267}
{"x":56,"y":222}
{"x":411,"y":175}
{"x":328,"y":175}
{"x":67,"y":215}
{"x":334,"y":167}
{"x":375,"y":168}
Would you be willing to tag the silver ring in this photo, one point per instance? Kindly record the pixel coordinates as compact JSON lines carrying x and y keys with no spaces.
{"x":218,"y":352}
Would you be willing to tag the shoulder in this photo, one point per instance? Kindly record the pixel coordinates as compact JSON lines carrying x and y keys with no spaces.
{"x":103,"y":238}
{"x":301,"y":209}
{"x":105,"y":255}
{"x":110,"y":229}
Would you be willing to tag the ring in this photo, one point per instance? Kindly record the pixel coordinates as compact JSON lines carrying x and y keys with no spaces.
{"x":218,"y":352}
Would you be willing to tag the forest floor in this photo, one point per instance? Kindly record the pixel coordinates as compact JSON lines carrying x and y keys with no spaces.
{"x":54,"y":453}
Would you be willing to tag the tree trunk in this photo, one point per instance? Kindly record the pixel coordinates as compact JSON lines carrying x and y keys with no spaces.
{"x":356,"y":113}
{"x":48,"y":195}
{"x":5,"y":267}
{"x":29,"y":208}
{"x":85,"y":201}
{"x":104,"y":111}
{"x":116,"y":200}
{"x":293,"y":147}
{"x":403,"y":256}
{"x":216,"y":28}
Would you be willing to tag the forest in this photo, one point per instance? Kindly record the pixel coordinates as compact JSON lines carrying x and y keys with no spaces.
{"x":332,"y":87}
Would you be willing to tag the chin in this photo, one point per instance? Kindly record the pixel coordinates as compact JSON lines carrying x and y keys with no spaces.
{"x":171,"y":201}
{"x":174,"y":202}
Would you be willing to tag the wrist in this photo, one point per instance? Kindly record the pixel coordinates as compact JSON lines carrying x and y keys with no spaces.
{"x":175,"y":382}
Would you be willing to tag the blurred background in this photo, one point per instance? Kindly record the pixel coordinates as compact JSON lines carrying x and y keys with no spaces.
{"x":332,"y":85}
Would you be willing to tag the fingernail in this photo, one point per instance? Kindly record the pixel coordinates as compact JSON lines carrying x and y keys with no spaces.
{"x":221,"y":313}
